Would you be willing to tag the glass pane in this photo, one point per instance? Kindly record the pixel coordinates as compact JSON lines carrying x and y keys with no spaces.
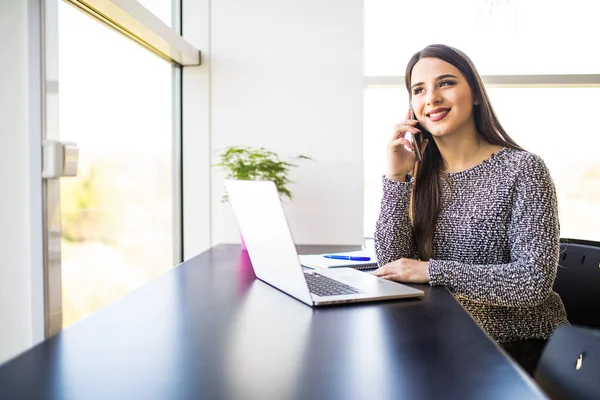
{"x":501,"y":36}
{"x":116,"y":104}
{"x":163,"y":9}
{"x":547,"y":122}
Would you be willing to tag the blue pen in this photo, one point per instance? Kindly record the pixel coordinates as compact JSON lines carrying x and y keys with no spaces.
{"x":350,"y":258}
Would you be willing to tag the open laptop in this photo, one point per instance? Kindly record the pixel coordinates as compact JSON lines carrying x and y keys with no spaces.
{"x":271,"y":248}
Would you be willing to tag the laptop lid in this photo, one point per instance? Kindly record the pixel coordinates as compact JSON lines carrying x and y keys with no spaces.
{"x":268,"y":238}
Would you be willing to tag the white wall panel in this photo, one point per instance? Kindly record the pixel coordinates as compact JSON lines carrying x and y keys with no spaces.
{"x":21,"y":297}
{"x":288,"y":75}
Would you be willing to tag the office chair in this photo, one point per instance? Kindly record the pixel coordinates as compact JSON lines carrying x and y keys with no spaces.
{"x":578,"y":281}
{"x":569,"y":367}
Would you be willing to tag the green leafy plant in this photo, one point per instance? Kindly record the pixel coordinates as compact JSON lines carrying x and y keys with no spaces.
{"x":257,"y":163}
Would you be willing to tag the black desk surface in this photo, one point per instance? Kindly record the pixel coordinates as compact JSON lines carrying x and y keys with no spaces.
{"x":209,"y":330}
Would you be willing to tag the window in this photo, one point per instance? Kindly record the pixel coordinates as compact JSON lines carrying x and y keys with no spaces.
{"x":116,"y":103}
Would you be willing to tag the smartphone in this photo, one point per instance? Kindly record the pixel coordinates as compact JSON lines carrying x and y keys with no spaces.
{"x":414,"y":138}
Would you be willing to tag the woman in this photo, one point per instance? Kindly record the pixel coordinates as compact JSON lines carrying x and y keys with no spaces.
{"x":478,"y":215}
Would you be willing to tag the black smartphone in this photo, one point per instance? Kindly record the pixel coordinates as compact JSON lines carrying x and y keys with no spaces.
{"x":415,"y":138}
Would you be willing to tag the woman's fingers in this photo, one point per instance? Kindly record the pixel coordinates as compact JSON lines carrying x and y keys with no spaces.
{"x":385,"y":270}
{"x":402,"y":142}
{"x":397,"y":277}
{"x":394,"y":271}
{"x":401,"y":129}
{"x":408,"y":121}
{"x":399,"y":159}
{"x":399,"y":143}
{"x":404,"y":125}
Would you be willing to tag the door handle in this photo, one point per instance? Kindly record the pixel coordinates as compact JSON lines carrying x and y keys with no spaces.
{"x":59,"y":159}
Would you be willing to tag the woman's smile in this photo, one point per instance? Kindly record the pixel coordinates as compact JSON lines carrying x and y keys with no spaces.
{"x":438,"y":114}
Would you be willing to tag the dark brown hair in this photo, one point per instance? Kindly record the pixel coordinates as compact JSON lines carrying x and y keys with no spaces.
{"x":426,"y":192}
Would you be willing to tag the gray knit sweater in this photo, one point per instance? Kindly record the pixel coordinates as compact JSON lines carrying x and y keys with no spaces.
{"x":496,"y":243}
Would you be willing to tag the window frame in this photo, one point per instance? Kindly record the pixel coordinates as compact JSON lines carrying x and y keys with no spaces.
{"x":134,"y":21}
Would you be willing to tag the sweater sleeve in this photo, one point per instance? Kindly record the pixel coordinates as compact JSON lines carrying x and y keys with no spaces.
{"x":534,"y":239}
{"x":394,"y":236}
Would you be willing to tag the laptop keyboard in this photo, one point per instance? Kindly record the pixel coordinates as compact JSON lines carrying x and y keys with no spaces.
{"x":322,"y":285}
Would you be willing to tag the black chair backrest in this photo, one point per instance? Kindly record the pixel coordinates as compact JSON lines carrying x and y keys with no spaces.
{"x":569,"y":367}
{"x":578,"y":281}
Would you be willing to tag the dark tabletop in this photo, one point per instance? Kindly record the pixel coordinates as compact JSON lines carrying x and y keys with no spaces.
{"x":209,"y":330}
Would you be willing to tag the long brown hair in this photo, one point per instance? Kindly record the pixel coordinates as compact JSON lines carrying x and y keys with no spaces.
{"x":426,"y":194}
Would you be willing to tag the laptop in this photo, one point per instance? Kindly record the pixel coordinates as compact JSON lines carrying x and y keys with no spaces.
{"x":273,"y":254}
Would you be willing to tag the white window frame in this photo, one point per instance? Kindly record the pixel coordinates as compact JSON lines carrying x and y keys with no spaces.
{"x":504,"y":81}
{"x":133,"y":20}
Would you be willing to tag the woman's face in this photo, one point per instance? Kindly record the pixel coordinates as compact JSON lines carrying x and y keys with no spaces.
{"x":441,"y":97}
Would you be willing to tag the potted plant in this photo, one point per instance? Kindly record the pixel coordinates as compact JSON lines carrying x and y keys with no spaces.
{"x":257,"y":163}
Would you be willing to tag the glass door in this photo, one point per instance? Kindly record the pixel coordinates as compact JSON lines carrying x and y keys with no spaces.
{"x":116,"y":224}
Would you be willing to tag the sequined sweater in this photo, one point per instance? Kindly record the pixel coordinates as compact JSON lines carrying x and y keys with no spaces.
{"x":496,"y":243}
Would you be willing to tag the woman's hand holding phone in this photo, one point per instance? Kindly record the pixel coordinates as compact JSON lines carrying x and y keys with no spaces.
{"x":400,"y":154}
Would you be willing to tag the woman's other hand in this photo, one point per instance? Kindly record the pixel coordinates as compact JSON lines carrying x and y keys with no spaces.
{"x":400,"y":157}
{"x":405,"y":270}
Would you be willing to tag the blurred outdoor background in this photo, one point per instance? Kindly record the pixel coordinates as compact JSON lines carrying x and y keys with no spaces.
{"x":116,"y":104}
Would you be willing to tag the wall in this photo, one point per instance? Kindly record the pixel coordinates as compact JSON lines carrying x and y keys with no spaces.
{"x":288,"y":75}
{"x":21,"y":314}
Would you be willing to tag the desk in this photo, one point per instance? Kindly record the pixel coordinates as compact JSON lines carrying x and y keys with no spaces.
{"x":208,"y":329}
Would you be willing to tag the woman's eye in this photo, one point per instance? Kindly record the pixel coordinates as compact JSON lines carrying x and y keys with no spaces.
{"x":417,"y":90}
{"x":446,"y":83}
